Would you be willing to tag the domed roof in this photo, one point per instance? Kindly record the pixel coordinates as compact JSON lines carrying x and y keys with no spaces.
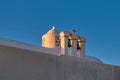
{"x":92,"y":59}
{"x":53,"y":31}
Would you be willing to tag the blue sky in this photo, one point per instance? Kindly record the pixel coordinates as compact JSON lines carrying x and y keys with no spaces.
{"x":97,"y":20}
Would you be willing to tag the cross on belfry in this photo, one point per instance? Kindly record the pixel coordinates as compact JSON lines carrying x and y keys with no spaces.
{"x":73,"y":30}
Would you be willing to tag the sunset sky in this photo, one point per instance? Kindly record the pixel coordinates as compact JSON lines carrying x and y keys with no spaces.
{"x":97,"y":20}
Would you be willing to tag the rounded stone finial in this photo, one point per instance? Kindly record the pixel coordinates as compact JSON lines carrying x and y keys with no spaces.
{"x":53,"y":27}
{"x":53,"y":30}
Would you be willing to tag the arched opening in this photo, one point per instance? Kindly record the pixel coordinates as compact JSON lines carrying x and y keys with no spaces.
{"x":57,"y":39}
{"x":78,"y":45}
{"x":70,"y":43}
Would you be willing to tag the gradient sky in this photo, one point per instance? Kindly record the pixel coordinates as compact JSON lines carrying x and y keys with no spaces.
{"x":97,"y":20}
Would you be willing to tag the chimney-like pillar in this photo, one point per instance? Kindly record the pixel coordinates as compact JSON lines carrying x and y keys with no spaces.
{"x":82,"y":50}
{"x":73,"y":48}
{"x":64,"y":43}
{"x":78,"y":47}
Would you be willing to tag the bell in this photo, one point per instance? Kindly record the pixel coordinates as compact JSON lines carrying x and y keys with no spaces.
{"x":69,"y":43}
{"x":78,"y":46}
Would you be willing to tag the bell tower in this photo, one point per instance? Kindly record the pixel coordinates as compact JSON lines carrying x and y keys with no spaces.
{"x":55,"y":40}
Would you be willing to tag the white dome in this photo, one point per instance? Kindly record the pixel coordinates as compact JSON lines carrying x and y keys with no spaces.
{"x":91,"y":59}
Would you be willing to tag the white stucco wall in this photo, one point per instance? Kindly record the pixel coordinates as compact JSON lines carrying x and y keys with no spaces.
{"x":16,"y":44}
{"x":21,"y":64}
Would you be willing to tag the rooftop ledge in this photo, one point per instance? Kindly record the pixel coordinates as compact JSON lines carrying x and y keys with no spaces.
{"x":31,"y":47}
{"x":22,"y":45}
